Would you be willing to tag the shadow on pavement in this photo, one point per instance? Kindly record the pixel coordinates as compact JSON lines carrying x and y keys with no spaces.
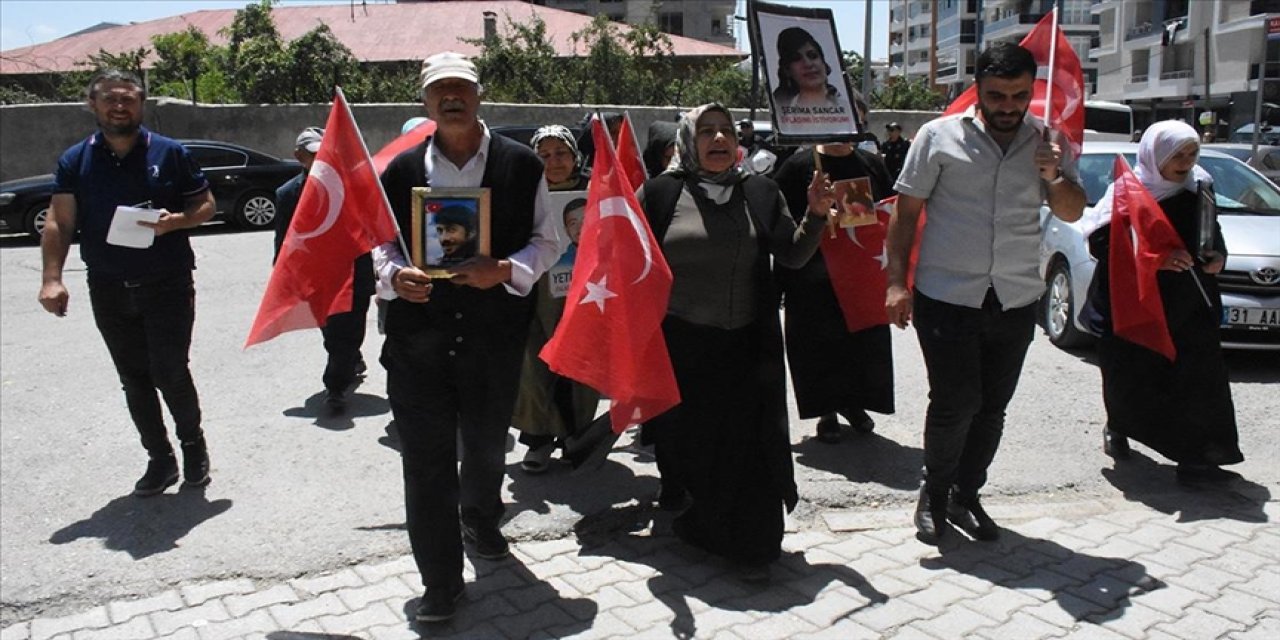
{"x":867,"y":457}
{"x":1087,"y":588}
{"x":302,"y":635}
{"x":1143,"y":480}
{"x":611,"y":484}
{"x":143,"y":527}
{"x":507,"y":600}
{"x":359,"y":405}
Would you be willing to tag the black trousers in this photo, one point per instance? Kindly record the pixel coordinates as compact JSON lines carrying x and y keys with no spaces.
{"x":343,"y":336}
{"x":973,"y":358}
{"x":147,"y":327}
{"x":446,"y":385}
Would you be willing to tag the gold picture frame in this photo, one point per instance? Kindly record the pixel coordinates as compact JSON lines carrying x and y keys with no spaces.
{"x":440,"y":214}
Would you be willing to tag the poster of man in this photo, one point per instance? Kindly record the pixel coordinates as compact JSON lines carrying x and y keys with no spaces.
{"x":449,"y":226}
{"x":572,"y":206}
{"x":804,"y":70}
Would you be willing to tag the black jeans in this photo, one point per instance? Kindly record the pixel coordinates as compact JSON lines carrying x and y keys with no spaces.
{"x":147,"y":327}
{"x":343,"y":335}
{"x":974,"y":358}
{"x":444,"y":385}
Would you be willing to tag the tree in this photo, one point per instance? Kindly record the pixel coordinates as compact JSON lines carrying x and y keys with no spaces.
{"x":908,"y":94}
{"x":318,"y":62}
{"x":183,"y":57}
{"x":128,"y":60}
{"x":256,"y":62}
{"x":853,"y":67}
{"x":522,"y":66}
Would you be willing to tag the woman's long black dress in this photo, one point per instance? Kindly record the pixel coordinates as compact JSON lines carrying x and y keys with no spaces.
{"x":1182,"y":409}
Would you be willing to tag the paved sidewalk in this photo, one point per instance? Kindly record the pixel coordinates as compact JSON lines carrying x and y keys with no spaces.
{"x":1191,"y":565}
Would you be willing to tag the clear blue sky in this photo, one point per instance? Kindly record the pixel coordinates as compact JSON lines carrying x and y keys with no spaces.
{"x":27,"y":22}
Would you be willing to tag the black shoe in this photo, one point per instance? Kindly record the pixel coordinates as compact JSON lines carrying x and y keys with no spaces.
{"x":1115,"y":445}
{"x":195,"y":463}
{"x":829,"y":429}
{"x":1204,"y":474}
{"x":438,"y":604}
{"x":336,"y":401}
{"x":361,"y":369}
{"x":677,"y":499}
{"x":931,"y":517}
{"x":488,"y":542}
{"x":967,"y":513}
{"x":859,"y":420}
{"x":161,"y":474}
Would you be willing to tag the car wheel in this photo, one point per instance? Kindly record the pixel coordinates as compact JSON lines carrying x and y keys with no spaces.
{"x":255,"y":211}
{"x":37,"y":216}
{"x":1058,"y":308}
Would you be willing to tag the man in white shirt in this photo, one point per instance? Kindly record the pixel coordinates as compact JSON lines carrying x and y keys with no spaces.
{"x":454,"y":346}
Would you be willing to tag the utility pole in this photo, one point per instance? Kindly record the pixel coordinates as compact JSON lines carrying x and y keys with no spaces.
{"x":866,"y":53}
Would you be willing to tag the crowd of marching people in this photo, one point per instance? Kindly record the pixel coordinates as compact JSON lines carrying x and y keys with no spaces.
{"x":480,"y":350}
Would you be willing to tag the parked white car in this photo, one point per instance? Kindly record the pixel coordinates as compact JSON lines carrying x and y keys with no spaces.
{"x":1249,"y":213}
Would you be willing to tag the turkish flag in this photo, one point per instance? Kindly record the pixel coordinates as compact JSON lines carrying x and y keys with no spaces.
{"x":856,"y":259}
{"x":629,"y":157}
{"x":406,"y":141}
{"x":1141,"y":238}
{"x":341,"y":215}
{"x":1067,"y":115}
{"x":610,"y":336}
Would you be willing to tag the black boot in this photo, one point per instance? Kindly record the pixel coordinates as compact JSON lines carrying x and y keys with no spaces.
{"x":966,"y":512}
{"x":1115,"y":445}
{"x":195,"y":463}
{"x":931,"y":516}
{"x":162,"y":473}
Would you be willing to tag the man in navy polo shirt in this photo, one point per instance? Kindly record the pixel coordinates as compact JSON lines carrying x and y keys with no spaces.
{"x":143,"y":299}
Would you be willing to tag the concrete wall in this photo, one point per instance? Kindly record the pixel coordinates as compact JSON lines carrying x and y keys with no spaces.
{"x":33,"y":136}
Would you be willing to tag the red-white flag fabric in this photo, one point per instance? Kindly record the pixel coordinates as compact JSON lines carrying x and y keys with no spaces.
{"x":1067,"y":115}
{"x":1141,"y":238}
{"x":404,"y":142}
{"x":856,"y":260}
{"x":341,"y":215}
{"x":610,"y":336}
{"x":629,"y":156}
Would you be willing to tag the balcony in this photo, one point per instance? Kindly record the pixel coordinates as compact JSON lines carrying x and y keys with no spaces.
{"x":1144,"y":30}
{"x":1177,"y":75}
{"x":1011,"y":26}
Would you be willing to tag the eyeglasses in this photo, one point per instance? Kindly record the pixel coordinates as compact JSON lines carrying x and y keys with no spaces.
{"x":118,"y":100}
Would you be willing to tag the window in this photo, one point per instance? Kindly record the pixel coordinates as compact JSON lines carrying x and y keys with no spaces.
{"x":716,"y":26}
{"x":672,"y":23}
{"x":217,"y":157}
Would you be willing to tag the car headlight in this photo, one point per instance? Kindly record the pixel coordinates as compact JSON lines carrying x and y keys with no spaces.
{"x":6,"y":198}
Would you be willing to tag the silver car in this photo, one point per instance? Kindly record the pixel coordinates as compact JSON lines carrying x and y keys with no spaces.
{"x":1249,"y":213}
{"x":1266,"y":160}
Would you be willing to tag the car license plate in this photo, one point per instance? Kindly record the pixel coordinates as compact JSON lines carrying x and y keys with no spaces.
{"x":1250,"y":317}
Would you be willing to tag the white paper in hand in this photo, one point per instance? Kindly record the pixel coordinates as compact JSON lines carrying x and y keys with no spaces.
{"x":125,"y":230}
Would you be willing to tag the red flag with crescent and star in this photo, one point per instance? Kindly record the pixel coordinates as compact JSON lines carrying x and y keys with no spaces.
{"x":610,"y":336}
{"x":1141,"y":238}
{"x":341,"y":215}
{"x":856,"y":260}
{"x":629,"y":156}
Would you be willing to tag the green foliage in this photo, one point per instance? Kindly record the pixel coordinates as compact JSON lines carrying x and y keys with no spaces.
{"x":726,"y":84}
{"x":14,"y":94}
{"x":124,"y":61}
{"x":183,"y":57}
{"x":522,"y":66}
{"x":635,"y":67}
{"x":913,"y":94}
{"x":317,"y":62}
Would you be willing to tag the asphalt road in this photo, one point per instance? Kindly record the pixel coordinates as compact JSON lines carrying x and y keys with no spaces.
{"x":294,"y":493}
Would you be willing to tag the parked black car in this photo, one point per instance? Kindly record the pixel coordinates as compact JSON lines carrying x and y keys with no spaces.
{"x":243,"y":180}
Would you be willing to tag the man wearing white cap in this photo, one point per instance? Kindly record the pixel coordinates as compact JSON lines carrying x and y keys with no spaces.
{"x":343,"y":332}
{"x":454,"y":346}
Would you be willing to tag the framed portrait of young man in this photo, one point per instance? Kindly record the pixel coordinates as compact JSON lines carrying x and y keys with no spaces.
{"x":450,"y":225}
{"x":804,"y":71}
{"x":571,"y":206}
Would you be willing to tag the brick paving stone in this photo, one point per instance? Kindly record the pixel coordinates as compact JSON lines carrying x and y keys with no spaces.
{"x":1105,"y":590}
{"x":1177,"y":556}
{"x":525,"y":624}
{"x":500,"y":579}
{"x":378,"y":572}
{"x":528,"y":598}
{"x":1022,"y":626}
{"x":853,"y":545}
{"x":1129,"y":520}
{"x":905,"y":534}
{"x":197,"y":594}
{"x":1090,"y":631}
{"x":865,"y":520}
{"x":45,"y":628}
{"x":166,"y":622}
{"x":1155,"y":534}
{"x":1064,"y":611}
{"x":872,"y":564}
{"x":639,"y":570}
{"x":779,"y":626}
{"x":829,"y":607}
{"x":893,"y":613}
{"x":1206,"y":580}
{"x":358,"y":597}
{"x":1196,"y":624}
{"x":316,"y":585}
{"x":1236,"y":527}
{"x":242,"y":604}
{"x":1119,"y":547}
{"x":591,"y":581}
{"x":1132,"y":621}
{"x":907,"y":552}
{"x":714,"y":592}
{"x":1238,"y":606}
{"x":19,"y":631}
{"x":256,"y":624}
{"x":185,"y":633}
{"x":1212,"y":540}
{"x":1041,"y":527}
{"x":609,"y":625}
{"x":554,"y":566}
{"x":399,"y":631}
{"x":806,"y":540}
{"x":1239,"y":562}
{"x":939,"y":596}
{"x":711,"y":623}
{"x":957,"y":622}
{"x":349,"y":623}
{"x":1264,"y":584}
{"x":1021,"y":561}
{"x":122,"y":610}
{"x":289,"y":615}
{"x":842,"y":630}
{"x":976,"y":584}
{"x":610,"y":597}
{"x":1095,"y":530}
{"x":911,"y":632}
{"x":542,"y":551}
{"x":139,"y":628}
{"x":999,"y":605}
{"x":1171,"y":599}
{"x":1267,"y":628}
{"x":1083,"y":566}
{"x":492,"y":605}
{"x":1043,"y":584}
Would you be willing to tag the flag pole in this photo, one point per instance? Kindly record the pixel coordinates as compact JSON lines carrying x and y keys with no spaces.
{"x":377,"y":179}
{"x":1048,"y":88}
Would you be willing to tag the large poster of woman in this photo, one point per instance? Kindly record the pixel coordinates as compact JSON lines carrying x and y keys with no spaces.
{"x":804,"y":72}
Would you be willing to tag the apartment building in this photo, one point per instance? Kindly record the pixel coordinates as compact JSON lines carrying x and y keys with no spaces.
{"x":707,"y":20}
{"x":939,"y":40}
{"x":1180,"y":58}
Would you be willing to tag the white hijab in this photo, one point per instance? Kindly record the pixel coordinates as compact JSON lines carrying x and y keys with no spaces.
{"x":1158,"y":144}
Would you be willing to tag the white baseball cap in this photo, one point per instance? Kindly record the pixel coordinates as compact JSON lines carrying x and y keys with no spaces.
{"x":448,"y":65}
{"x":309,"y":139}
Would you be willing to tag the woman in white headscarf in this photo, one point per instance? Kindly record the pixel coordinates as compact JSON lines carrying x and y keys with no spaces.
{"x":725,"y":450}
{"x":1182,"y":409}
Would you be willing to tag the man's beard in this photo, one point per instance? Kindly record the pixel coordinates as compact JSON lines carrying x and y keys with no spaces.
{"x":989,"y":117}
{"x":125,"y":129}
